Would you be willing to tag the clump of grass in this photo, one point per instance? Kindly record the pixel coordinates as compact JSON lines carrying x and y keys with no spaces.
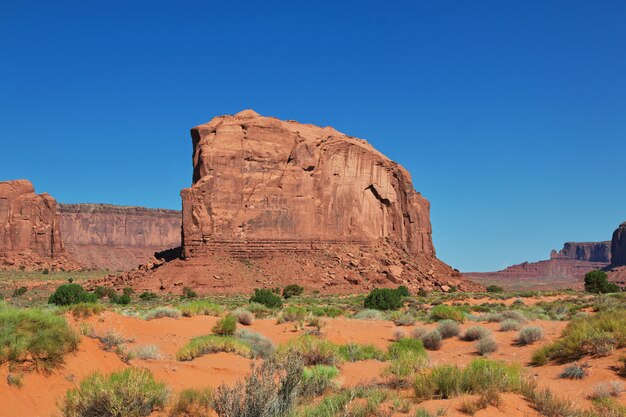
{"x":419,"y":332}
{"x":549,"y":405}
{"x":313,"y":350}
{"x":269,"y":390}
{"x":445,"y":312}
{"x":294,"y":314}
{"x":369,"y":314}
{"x":161,"y":312}
{"x":148,"y":352}
{"x":398,"y":334}
{"x":595,"y":335}
{"x":226,"y":326}
{"x":448,"y":328}
{"x":111,"y":340}
{"x":200,"y":308}
{"x":432,"y":340}
{"x":574,"y":371}
{"x":84,"y":310}
{"x":607,"y":389}
{"x":509,"y":325}
{"x":608,"y":407}
{"x":318,"y":379}
{"x":486,"y":345}
{"x":529,"y":335}
{"x":353,"y":352}
{"x":395,"y":349}
{"x":403,"y":319}
{"x":243,"y":316}
{"x":18,"y":292}
{"x":260,"y":346}
{"x":130,"y":393}
{"x":475,"y":333}
{"x":203,"y":345}
{"x":37,"y":335}
{"x":441,"y":382}
{"x":15,"y":380}
{"x":259,"y":310}
{"x":192,"y":402}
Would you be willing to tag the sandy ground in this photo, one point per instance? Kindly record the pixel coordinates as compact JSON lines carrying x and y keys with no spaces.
{"x":41,"y":393}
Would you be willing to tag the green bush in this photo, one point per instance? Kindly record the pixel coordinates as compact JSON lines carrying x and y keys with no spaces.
{"x":353,"y":352}
{"x":226,"y":326}
{"x":129,"y":393}
{"x":441,"y":382}
{"x":312,"y":349}
{"x":67,"y":294}
{"x":294,"y":314}
{"x":318,"y":379}
{"x":85,"y":310}
{"x":475,"y":333}
{"x":101,"y":292}
{"x":494,"y":289}
{"x":123,"y":299}
{"x":292,"y":290}
{"x":19,"y":291}
{"x":204,"y":345}
{"x":200,"y":308}
{"x":396,"y":349}
{"x":260,"y":346}
{"x":193,"y":402}
{"x":432,"y":340}
{"x":486,"y":345}
{"x":445,"y":312}
{"x":161,"y":312}
{"x":148,"y":295}
{"x":383,"y":299}
{"x":448,"y":328}
{"x":403,"y":291}
{"x":33,"y":333}
{"x":189,"y":293}
{"x":530,"y":335}
{"x":597,"y":282}
{"x":267,"y":298}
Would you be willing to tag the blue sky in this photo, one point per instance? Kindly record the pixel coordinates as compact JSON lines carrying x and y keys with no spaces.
{"x":510,"y":116}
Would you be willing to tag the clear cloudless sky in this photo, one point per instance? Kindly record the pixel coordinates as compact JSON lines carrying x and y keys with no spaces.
{"x":509,"y":115}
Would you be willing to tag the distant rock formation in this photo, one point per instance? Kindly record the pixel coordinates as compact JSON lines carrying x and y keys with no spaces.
{"x":618,"y":246}
{"x":104,"y":236}
{"x":565,"y":268}
{"x":29,"y":229}
{"x":277,"y":202}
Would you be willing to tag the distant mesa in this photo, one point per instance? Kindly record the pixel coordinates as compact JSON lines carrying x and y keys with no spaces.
{"x":276,"y":202}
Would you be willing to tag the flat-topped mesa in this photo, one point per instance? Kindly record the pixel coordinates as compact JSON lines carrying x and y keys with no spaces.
{"x":105,"y":236}
{"x":281,"y":185}
{"x":584,"y":251}
{"x":29,"y":228}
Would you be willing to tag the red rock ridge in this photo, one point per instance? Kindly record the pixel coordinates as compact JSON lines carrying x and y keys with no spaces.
{"x":105,"y":236}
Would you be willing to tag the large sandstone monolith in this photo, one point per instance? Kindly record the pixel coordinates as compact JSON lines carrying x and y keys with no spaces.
{"x":29,"y":227}
{"x":618,"y":246}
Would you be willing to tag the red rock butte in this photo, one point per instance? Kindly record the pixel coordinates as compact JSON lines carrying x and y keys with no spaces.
{"x":276,"y":202}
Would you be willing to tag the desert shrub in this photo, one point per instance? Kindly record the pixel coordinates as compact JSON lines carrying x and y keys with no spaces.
{"x":608,"y":407}
{"x":259,"y":310}
{"x":192,"y":402}
{"x":529,"y":335}
{"x":607,"y":389}
{"x":494,"y":288}
{"x":292,"y":290}
{"x":415,"y":346}
{"x":204,"y":345}
{"x":148,"y":295}
{"x":383,"y":299}
{"x":189,"y":293}
{"x":329,"y":311}
{"x":267,"y":298}
{"x":318,"y":379}
{"x":84,"y":310}
{"x":294,"y":314}
{"x":160,"y":312}
{"x":397,"y":335}
{"x":37,"y":334}
{"x":513,"y":315}
{"x":147,"y":352}
{"x":622,"y":369}
{"x":128,"y":291}
{"x":403,"y":291}
{"x":549,"y":405}
{"x":442,"y":382}
{"x":486,"y":345}
{"x":101,"y":292}
{"x":403,"y":319}
{"x":369,"y":314}
{"x":19,"y":291}
{"x":200,"y":308}
{"x":260,"y":346}
{"x":226,"y":326}
{"x":270,"y":390}
{"x":432,"y":340}
{"x":353,"y":352}
{"x":445,"y":312}
{"x":243,"y":316}
{"x":312,"y":349}
{"x":448,"y":328}
{"x":574,"y":371}
{"x":15,"y":380}
{"x":509,"y":325}
{"x":111,"y":340}
{"x":129,"y":393}
{"x":123,"y":299}
{"x":67,"y":294}
{"x":482,"y":375}
{"x":419,"y":332}
{"x":475,"y":333}
{"x":597,"y":282}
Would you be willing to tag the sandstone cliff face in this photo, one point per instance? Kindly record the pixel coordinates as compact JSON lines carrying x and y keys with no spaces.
{"x":105,"y":236}
{"x":286,"y":184}
{"x":618,"y":246}
{"x":278,"y":202}
{"x":585,"y":251}
{"x":29,"y":228}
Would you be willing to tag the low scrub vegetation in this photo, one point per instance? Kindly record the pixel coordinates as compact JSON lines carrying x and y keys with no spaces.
{"x":448,"y":328}
{"x":84,"y":310}
{"x":353,"y":352}
{"x":267,"y":298}
{"x":486,"y":345}
{"x":475,"y":333}
{"x":192,"y":402}
{"x":574,"y":371}
{"x":200,"y":308}
{"x":129,"y":393}
{"x":292,"y":290}
{"x":161,"y":312}
{"x":226,"y":326}
{"x":318,"y":379}
{"x":67,"y":294}
{"x":432,"y":340}
{"x":260,"y":346}
{"x":384,"y":299}
{"x":37,"y":335}
{"x":445,"y":312}
{"x":312,"y":350}
{"x":203,"y":345}
{"x":529,"y":335}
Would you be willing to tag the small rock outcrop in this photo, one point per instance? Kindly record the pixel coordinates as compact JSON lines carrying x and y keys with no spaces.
{"x":276,"y":202}
{"x":29,"y":229}
{"x":105,"y":236}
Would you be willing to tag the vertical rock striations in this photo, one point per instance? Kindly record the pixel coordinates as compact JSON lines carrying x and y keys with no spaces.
{"x":618,"y":246}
